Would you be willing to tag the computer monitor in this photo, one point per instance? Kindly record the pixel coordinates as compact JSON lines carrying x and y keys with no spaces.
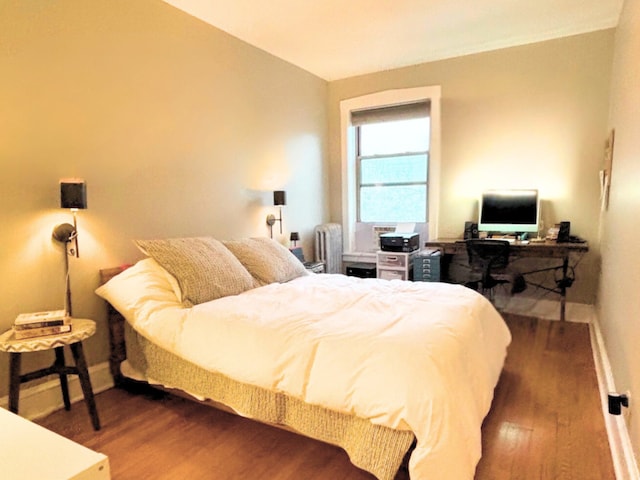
{"x":509,"y":211}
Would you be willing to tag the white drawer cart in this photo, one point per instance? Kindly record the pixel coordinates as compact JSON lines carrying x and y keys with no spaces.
{"x":395,"y":265}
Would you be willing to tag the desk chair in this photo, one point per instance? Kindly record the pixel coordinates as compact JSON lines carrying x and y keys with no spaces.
{"x":489,"y":262}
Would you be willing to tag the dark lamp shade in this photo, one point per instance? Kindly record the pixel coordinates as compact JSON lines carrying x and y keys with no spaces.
{"x":73,"y":194}
{"x":279,"y":197}
{"x":295,"y":236}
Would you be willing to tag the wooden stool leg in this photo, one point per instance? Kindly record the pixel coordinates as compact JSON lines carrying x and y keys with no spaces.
{"x":64,"y":384}
{"x":14,"y":381}
{"x":85,"y":382}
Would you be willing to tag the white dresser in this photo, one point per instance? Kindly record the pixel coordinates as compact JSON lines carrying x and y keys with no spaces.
{"x":29,"y":451}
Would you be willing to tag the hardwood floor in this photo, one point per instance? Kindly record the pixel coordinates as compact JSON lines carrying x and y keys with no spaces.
{"x":546,"y":423}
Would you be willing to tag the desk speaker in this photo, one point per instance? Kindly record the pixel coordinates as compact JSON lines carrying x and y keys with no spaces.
{"x":470,"y":230}
{"x":564,"y":231}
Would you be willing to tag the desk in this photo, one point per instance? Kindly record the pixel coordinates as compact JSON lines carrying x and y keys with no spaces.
{"x":561,"y":251}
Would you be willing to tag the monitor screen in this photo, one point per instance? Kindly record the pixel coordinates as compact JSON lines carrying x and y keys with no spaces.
{"x":509,"y":211}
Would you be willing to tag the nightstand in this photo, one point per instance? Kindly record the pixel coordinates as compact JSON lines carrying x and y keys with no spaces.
{"x":315,"y":267}
{"x":81,"y":329}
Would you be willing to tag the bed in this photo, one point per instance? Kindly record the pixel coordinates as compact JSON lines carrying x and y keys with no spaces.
{"x":383,"y":369}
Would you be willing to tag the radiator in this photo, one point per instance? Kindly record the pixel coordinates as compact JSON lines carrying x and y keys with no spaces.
{"x":329,"y":246}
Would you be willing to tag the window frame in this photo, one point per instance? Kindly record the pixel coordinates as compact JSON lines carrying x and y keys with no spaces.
{"x":350,"y":164}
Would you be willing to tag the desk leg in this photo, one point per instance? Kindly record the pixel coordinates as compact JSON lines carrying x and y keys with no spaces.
{"x":14,"y":381}
{"x":64,"y":384}
{"x":563,"y":288}
{"x":85,"y":383}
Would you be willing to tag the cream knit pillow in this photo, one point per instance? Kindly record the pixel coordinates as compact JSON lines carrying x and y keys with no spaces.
{"x":266,"y":259}
{"x":203,"y":266}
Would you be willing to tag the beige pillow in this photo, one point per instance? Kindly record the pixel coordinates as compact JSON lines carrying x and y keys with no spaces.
{"x":267,"y":260}
{"x":203,"y":266}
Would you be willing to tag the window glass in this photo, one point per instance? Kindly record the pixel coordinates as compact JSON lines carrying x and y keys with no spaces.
{"x":393,"y":203}
{"x":401,"y":136}
{"x":392,"y":171}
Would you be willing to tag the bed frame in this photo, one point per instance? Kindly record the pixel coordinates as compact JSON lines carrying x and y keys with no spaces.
{"x":379,"y":450}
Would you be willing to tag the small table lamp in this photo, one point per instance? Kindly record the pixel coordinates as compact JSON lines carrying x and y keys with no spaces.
{"x":295,"y":236}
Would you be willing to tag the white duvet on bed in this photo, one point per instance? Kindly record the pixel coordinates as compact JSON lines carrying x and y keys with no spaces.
{"x":408,"y":355}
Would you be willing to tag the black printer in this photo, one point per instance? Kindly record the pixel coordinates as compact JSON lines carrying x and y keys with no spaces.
{"x":399,"y":242}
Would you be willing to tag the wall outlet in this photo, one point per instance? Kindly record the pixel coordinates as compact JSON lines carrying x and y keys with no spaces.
{"x":617,"y":401}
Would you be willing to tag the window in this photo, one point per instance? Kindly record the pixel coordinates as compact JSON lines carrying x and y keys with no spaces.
{"x":392,"y":170}
{"x":390,"y":158}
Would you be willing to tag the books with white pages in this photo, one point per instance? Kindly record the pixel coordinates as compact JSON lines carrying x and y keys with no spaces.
{"x":39,"y":317}
{"x":47,"y":323}
{"x":21,"y":334}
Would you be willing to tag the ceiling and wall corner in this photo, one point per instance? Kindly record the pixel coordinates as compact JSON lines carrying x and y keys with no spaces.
{"x":336,"y":39}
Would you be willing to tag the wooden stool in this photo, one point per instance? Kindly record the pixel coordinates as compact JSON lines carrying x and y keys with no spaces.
{"x":81,"y":330}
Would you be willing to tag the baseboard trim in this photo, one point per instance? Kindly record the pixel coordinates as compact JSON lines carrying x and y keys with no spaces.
{"x":45,"y":398}
{"x":624,"y":461}
{"x":544,"y":308}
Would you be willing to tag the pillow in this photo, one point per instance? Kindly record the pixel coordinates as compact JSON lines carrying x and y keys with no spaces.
{"x":267,"y":260}
{"x":204,"y":268}
{"x":141,"y":289}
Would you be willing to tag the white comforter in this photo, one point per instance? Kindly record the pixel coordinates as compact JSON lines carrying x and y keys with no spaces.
{"x":418,"y":356}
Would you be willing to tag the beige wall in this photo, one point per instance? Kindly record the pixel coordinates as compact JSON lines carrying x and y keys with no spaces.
{"x":529,"y":116}
{"x":618,"y":299}
{"x":177,"y":128}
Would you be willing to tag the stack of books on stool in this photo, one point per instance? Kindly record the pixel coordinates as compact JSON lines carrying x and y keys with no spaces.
{"x":40,"y":324}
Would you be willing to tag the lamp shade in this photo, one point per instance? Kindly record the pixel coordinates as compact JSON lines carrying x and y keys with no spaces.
{"x":295,"y":236}
{"x":73,"y":194}
{"x":279,"y":197}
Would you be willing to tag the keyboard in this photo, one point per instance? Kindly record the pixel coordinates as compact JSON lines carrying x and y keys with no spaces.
{"x":510,"y":240}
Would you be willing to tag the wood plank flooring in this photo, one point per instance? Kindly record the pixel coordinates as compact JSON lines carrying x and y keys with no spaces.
{"x":545,"y":423}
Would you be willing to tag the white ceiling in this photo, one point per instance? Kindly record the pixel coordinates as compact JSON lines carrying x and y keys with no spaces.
{"x":336,"y":39}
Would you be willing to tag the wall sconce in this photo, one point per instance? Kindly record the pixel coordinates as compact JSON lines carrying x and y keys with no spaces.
{"x":73,"y":195}
{"x":279,"y":200}
{"x":294,"y":237}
